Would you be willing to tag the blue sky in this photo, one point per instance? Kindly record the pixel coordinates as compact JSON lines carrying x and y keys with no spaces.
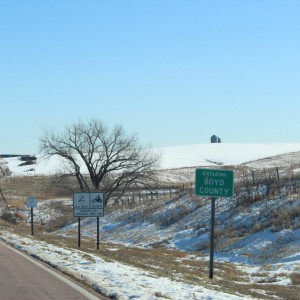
{"x":172,"y":71}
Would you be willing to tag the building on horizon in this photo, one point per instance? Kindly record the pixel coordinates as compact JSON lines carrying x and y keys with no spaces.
{"x":215,"y":139}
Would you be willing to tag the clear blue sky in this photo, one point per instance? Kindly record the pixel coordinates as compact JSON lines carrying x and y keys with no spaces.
{"x":172,"y":71}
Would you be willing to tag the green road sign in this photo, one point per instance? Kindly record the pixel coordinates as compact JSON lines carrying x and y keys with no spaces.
{"x":214,"y":183}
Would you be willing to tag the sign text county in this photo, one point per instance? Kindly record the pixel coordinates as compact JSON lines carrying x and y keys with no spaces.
{"x":214,"y":183}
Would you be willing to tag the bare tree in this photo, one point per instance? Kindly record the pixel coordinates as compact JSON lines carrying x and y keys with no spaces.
{"x":99,"y":158}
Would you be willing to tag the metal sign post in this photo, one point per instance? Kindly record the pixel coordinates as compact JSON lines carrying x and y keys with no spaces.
{"x":31,"y":203}
{"x":97,"y":233}
{"x":31,"y":220}
{"x":214,"y":184}
{"x":79,"y":232}
{"x":212,"y":237}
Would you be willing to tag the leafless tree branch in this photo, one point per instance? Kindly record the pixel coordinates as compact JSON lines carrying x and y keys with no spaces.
{"x":112,"y":160}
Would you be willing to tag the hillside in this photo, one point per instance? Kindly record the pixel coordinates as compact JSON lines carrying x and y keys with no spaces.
{"x":157,"y":248}
{"x":224,"y":154}
{"x":189,"y":156}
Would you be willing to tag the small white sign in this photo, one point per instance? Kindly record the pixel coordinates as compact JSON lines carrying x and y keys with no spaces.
{"x":31,"y":202}
{"x":88,"y":204}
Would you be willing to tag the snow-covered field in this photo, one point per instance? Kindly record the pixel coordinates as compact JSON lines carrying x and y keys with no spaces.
{"x":270,"y":254}
{"x":201,"y":155}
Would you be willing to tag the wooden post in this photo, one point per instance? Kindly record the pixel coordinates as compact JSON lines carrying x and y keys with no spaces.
{"x":253,"y":177}
{"x":277,"y":171}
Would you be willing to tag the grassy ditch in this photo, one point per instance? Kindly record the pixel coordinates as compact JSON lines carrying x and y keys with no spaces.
{"x":187,"y":267}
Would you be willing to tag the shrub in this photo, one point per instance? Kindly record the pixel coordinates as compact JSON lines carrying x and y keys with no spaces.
{"x":27,"y":158}
{"x":26,"y":163}
{"x":8,"y":216}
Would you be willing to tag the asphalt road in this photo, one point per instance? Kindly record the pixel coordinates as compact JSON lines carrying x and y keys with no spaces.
{"x":23,"y":278}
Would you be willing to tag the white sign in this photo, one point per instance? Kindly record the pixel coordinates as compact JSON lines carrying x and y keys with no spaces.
{"x":88,"y":204}
{"x":31,"y":202}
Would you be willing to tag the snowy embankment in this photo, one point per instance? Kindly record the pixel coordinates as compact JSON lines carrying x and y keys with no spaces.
{"x":113,"y":279}
{"x":261,"y":251}
{"x":271,"y":255}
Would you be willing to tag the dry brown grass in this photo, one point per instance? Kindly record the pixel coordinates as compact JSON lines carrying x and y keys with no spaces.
{"x":41,"y":187}
{"x":188,"y":267}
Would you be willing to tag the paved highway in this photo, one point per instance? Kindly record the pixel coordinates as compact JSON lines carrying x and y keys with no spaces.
{"x":22,"y":277}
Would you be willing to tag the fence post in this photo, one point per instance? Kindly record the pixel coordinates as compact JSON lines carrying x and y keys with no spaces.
{"x":253,"y":177}
{"x":277,"y":171}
